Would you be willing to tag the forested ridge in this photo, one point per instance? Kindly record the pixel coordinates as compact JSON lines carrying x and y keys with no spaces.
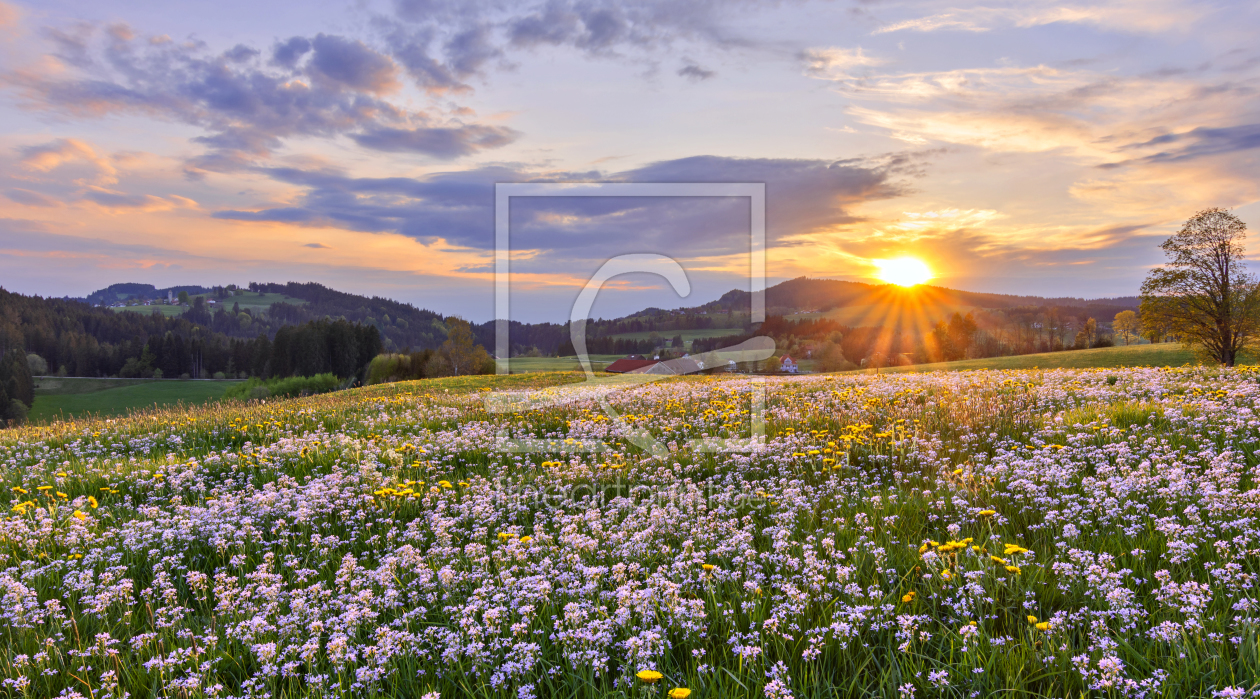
{"x":75,"y":339}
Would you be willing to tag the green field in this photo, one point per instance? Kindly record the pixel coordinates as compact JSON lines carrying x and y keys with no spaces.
{"x":248,"y":301}
{"x":687,"y":335}
{"x":528,"y":365}
{"x":59,"y":398}
{"x":1163,"y":354}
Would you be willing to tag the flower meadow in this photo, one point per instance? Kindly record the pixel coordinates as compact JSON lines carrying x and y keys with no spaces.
{"x":1042,"y":533}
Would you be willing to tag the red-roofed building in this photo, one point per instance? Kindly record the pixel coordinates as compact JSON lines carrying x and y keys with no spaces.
{"x":625,"y":365}
{"x":787,"y":364}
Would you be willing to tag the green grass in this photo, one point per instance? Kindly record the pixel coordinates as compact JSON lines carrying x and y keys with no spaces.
{"x":250,"y":300}
{"x":1163,"y":354}
{"x":687,"y":335}
{"x":62,"y":398}
{"x":526,"y":365}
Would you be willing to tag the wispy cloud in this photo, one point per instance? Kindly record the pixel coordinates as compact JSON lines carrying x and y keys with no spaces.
{"x":1144,"y":16}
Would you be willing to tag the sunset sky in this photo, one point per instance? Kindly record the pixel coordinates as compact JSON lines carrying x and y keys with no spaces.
{"x":1016,"y":147}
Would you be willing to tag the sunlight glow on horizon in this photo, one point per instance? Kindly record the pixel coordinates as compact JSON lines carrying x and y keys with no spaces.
{"x":903,"y":271}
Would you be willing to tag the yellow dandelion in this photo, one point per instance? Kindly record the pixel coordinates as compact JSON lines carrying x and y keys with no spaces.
{"x":908,"y":597}
{"x":92,"y":501}
{"x":679,"y":693}
{"x":1012,"y":569}
{"x":649,"y":676}
{"x":708,"y":566}
{"x":986,"y":513}
{"x":526,"y":539}
{"x":1032,"y":619}
{"x":78,"y":514}
{"x":1043,"y":626}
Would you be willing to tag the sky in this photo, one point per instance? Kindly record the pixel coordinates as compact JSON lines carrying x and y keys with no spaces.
{"x":1015,"y":147}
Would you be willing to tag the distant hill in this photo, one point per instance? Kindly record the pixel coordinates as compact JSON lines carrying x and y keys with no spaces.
{"x":115,"y":293}
{"x":265,"y":307}
{"x":805,"y":294}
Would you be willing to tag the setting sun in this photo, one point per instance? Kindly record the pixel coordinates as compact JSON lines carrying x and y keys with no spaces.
{"x":903,"y":271}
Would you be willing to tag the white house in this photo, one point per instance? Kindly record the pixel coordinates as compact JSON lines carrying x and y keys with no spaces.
{"x":787,"y":365}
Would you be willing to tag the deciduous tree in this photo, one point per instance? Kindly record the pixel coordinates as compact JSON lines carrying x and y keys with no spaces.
{"x":1203,"y":294}
{"x":1126,"y":325}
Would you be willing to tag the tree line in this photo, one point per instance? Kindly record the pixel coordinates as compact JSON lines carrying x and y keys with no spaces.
{"x":71,"y":338}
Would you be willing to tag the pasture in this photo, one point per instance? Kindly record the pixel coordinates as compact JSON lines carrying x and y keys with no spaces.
{"x":62,"y":398}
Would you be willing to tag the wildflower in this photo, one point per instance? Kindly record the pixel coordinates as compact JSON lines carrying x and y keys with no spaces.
{"x":708,"y":566}
{"x":946,"y":574}
{"x":92,"y":501}
{"x":16,"y":489}
{"x":526,"y":539}
{"x":445,"y":484}
{"x":908,"y":597}
{"x":679,"y":693}
{"x":649,"y":676}
{"x":504,"y":536}
{"x":1032,"y":619}
{"x":1012,"y":569}
{"x":1043,"y":626}
{"x":999,"y":561}
{"x":78,"y":514}
{"x":986,"y":513}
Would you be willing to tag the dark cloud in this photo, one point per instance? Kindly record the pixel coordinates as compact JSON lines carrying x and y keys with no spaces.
{"x":442,"y":143}
{"x":695,"y":73}
{"x":1201,"y":142}
{"x":803,"y":196}
{"x":352,"y":65}
{"x":324,"y":87}
{"x":241,"y":53}
{"x":290,"y":52}
{"x":443,"y":44}
{"x":318,"y":246}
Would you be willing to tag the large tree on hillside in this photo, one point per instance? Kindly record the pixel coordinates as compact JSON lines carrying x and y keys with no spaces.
{"x":461,"y":354}
{"x":1203,"y":294}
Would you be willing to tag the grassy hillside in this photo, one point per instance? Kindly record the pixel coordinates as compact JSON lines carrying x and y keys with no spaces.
{"x":254,"y":302}
{"x":528,"y":365}
{"x":1163,"y":354}
{"x":57,"y":398}
{"x":687,"y":335}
